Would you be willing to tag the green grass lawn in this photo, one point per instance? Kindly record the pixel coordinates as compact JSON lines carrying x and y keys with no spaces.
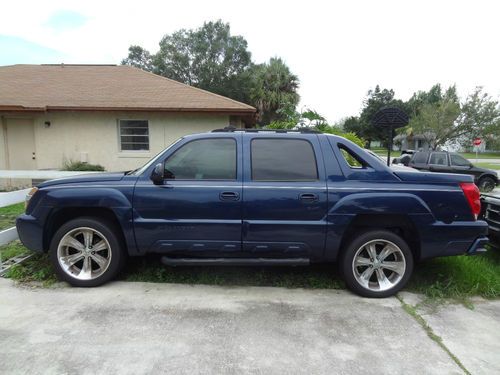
{"x":484,"y":155}
{"x":8,"y":215}
{"x":488,"y":165}
{"x":12,"y":249}
{"x":458,"y":277}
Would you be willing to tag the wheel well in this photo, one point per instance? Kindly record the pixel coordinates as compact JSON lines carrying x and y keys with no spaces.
{"x":399,"y":224}
{"x":63,"y":215}
{"x":493,"y":177}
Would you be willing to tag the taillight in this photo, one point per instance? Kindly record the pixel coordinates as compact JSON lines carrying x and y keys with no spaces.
{"x":472,"y":195}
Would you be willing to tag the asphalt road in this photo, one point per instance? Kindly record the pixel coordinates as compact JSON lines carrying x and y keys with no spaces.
{"x":136,"y":328}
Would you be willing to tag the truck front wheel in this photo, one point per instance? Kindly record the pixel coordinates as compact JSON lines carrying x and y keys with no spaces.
{"x":86,"y":252}
{"x":377,"y":264}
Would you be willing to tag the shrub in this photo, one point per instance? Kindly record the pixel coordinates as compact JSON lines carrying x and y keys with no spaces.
{"x":72,"y":165}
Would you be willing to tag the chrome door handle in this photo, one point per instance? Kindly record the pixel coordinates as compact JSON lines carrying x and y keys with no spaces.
{"x":229,"y":196}
{"x":308,"y":197}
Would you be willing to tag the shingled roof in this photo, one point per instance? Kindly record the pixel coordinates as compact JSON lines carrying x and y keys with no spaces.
{"x":104,"y":87}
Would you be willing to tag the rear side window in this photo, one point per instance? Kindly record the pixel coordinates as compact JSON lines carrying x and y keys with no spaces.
{"x":351,"y":159}
{"x":458,"y":161}
{"x":420,"y":157}
{"x":283,"y":160}
{"x":204,"y":159}
{"x":438,"y":158}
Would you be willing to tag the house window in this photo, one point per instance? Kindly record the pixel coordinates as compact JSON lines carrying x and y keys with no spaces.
{"x":134,"y":135}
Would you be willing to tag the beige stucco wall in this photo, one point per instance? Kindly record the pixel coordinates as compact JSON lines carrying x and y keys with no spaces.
{"x":72,"y":135}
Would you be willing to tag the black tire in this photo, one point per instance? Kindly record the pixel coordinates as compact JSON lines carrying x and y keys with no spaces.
{"x":351,"y":273}
{"x":106,"y":229}
{"x":486,"y":184}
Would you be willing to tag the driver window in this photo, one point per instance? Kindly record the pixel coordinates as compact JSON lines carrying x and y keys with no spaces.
{"x":458,"y":161}
{"x":203,"y":159}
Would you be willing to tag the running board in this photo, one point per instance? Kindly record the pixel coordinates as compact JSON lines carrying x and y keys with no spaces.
{"x":234,"y":261}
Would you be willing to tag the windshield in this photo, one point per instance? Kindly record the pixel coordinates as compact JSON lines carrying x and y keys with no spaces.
{"x":139,"y":171}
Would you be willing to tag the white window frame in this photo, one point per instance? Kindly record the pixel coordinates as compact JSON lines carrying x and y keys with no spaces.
{"x":120,"y":136}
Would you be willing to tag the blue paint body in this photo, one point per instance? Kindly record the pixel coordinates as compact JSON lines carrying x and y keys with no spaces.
{"x":264,"y":219}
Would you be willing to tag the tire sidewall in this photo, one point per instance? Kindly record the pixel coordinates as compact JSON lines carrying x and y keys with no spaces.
{"x":108,"y":231}
{"x":350,"y":251}
{"x":485,"y":181}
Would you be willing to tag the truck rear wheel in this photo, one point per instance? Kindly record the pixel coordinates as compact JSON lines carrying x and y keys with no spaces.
{"x":87,"y":252}
{"x":377,"y":264}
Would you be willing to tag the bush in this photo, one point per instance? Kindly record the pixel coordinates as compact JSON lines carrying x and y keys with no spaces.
{"x":72,"y":165}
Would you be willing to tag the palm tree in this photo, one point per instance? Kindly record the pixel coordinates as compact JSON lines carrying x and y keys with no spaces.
{"x":274,"y":88}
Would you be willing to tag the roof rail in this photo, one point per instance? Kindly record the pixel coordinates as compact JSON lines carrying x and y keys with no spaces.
{"x":230,"y":129}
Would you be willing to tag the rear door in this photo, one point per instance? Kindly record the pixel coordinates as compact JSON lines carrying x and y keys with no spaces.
{"x":284,"y":196}
{"x":438,"y":162}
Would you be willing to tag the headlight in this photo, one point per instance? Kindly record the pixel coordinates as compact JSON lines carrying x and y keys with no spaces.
{"x":29,"y":195}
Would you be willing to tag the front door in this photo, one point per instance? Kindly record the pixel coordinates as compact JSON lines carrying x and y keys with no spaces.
{"x":20,"y":152}
{"x":197,"y":210}
{"x":285,"y":197}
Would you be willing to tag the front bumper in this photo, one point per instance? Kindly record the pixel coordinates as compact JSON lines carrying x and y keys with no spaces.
{"x":30,"y":232}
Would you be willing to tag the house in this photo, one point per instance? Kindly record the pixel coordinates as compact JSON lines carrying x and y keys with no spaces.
{"x":115,"y":116}
{"x":412,"y":142}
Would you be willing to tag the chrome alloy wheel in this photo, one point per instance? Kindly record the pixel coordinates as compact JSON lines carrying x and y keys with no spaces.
{"x":379,"y":265}
{"x":84,"y":253}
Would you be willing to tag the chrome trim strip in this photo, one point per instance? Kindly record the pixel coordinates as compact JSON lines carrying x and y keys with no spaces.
{"x":389,"y":189}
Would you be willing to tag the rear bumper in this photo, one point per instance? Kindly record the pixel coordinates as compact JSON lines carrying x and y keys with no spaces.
{"x":30,"y":232}
{"x":457,"y":238}
{"x":478,"y":246}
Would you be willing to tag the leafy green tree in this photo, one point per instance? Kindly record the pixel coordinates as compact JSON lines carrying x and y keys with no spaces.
{"x":375,"y":100}
{"x":436,"y":123}
{"x":209,"y":58}
{"x":310,"y":119}
{"x":479,"y":117}
{"x":140,"y":58}
{"x":273,"y":90}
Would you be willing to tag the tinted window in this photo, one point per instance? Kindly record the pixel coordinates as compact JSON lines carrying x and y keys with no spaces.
{"x":438,"y":158}
{"x":283,"y":160}
{"x":458,"y":161}
{"x":204,"y":159}
{"x":420,"y":157}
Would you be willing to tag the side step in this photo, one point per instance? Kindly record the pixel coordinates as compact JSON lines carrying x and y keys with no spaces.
{"x":234,"y":261}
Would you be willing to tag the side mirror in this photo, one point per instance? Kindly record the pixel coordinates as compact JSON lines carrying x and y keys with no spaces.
{"x":157,"y":174}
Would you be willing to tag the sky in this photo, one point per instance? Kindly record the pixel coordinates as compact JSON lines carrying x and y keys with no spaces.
{"x":338,"y":49}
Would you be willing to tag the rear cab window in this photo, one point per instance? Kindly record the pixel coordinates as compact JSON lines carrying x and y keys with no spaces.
{"x":279,"y":159}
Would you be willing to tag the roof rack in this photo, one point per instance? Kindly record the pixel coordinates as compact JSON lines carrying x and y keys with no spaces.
{"x":230,"y":129}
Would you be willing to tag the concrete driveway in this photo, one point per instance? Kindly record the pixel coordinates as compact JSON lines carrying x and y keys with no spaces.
{"x":136,"y":328}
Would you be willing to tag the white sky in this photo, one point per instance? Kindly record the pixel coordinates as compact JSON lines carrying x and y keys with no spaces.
{"x":339,"y":49}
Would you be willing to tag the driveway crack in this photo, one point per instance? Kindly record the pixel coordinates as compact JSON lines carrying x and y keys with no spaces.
{"x":412,"y":311}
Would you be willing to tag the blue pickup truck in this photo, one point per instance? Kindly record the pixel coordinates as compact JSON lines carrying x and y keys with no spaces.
{"x":257,"y":198}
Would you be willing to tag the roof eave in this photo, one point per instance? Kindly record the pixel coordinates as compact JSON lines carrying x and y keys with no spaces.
{"x":232,"y":111}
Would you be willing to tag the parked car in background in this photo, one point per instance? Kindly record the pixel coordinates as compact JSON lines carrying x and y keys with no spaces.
{"x":233,"y":197}
{"x":491,"y":214}
{"x":405,"y":157}
{"x":451,"y":162}
{"x":395,"y":167}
